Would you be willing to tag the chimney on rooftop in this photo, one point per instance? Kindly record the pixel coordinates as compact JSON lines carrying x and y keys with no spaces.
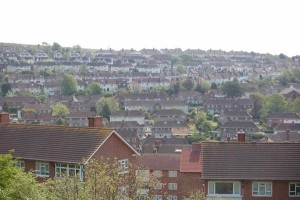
{"x":95,"y":121}
{"x":241,"y":136}
{"x":196,"y":146}
{"x":4,"y":117}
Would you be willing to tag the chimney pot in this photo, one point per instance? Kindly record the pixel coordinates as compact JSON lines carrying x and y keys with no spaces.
{"x":4,"y":117}
{"x":241,"y":136}
{"x":95,"y":121}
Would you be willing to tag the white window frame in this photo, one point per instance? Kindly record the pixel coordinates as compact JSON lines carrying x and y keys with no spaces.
{"x":158,"y":186}
{"x":236,"y":190}
{"x":39,"y":171}
{"x":157,"y":197}
{"x":59,"y":167}
{"x":172,"y":173}
{"x":297,"y":185}
{"x":124,"y":166}
{"x":261,"y":185}
{"x":20,"y":164}
{"x":172,"y":186}
{"x":172,"y":197}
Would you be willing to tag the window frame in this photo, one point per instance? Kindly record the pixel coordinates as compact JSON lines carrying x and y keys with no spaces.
{"x":262,"y":184}
{"x":297,"y":185}
{"x":172,"y":197}
{"x":38,"y":170}
{"x":157,"y":197}
{"x":67,"y":167}
{"x":172,"y":186}
{"x":124,"y":166}
{"x":20,"y":164}
{"x":234,"y":192}
{"x":172,"y":173}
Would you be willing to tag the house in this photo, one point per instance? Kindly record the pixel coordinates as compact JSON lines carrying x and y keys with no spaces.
{"x":191,"y":97}
{"x":273,"y":119}
{"x":178,"y":128}
{"x":128,"y":115}
{"x":230,"y":128}
{"x":291,"y":92}
{"x":285,"y":136}
{"x":249,"y":171}
{"x":127,"y":125}
{"x":37,"y":118}
{"x":41,"y":56}
{"x":78,"y":118}
{"x":222,"y":104}
{"x":50,"y":150}
{"x":131,"y":136}
{"x":169,"y":115}
{"x":234,"y":116}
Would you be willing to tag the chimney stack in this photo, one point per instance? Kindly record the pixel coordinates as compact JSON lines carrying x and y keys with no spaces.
{"x":95,"y":121}
{"x":241,"y":136}
{"x":4,"y":117}
{"x":196,"y":146}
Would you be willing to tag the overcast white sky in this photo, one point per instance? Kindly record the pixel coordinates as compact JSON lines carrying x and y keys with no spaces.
{"x":249,"y":25}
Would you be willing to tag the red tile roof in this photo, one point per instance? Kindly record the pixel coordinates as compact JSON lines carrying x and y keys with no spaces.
{"x":250,"y":161}
{"x":190,"y":160}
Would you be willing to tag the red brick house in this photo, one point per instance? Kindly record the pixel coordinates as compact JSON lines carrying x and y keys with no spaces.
{"x":273,"y":119}
{"x":291,"y":92}
{"x":51,"y":151}
{"x":247,"y":171}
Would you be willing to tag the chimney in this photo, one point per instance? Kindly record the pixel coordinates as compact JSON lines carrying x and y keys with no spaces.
{"x":154,"y":150}
{"x":95,"y":121}
{"x":196,"y":146}
{"x":241,"y":136}
{"x":4,"y":117}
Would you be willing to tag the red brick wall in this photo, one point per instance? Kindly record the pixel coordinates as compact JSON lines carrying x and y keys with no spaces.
{"x":280,"y":191}
{"x":189,"y":183}
{"x":30,"y":167}
{"x":114,"y":147}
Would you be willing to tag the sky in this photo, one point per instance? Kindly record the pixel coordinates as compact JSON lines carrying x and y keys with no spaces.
{"x":241,"y":25}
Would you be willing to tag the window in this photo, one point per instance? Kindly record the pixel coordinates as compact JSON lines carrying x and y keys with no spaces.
{"x":143,"y":175}
{"x":158,"y":186}
{"x":123,"y":166}
{"x":172,"y":197}
{"x":172,"y":173}
{"x":224,"y":188}
{"x":20,"y":164}
{"x":157,"y":173}
{"x":157,"y":197}
{"x":42,"y":169}
{"x":172,"y":186}
{"x":262,"y":189}
{"x":294,"y":189}
{"x":63,"y":169}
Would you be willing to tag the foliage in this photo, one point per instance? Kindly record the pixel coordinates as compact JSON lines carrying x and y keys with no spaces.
{"x":213,"y":86}
{"x":94,"y":89}
{"x":273,"y":104}
{"x":69,"y":85}
{"x":5,"y":88}
{"x":296,"y":105}
{"x":42,"y":96}
{"x":258,"y":100}
{"x":77,"y":48}
{"x":202,"y":86}
{"x":188,"y":84}
{"x":5,"y":107}
{"x":16,"y":184}
{"x":186,"y":57}
{"x":255,"y":135}
{"x":196,"y":195}
{"x":60,"y":110}
{"x":233,"y":88}
{"x":105,"y":106}
{"x":25,"y":93}
{"x":103,"y":181}
{"x":201,"y":122}
{"x":180,"y":69}
{"x":45,"y":72}
{"x":56,"y":47}
{"x":289,"y":76}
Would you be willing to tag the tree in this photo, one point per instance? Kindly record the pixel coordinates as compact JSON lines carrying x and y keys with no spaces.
{"x":104,"y":180}
{"x":214,"y":86}
{"x":77,"y":48}
{"x":107,"y":106}
{"x":176,"y":88}
{"x":196,"y":195}
{"x":60,"y":110}
{"x":188,"y":84}
{"x":233,"y":88}
{"x":258,"y":100}
{"x":69,"y":85}
{"x":180,"y":69}
{"x":5,"y":88}
{"x":56,"y":47}
{"x":273,"y":104}
{"x":295,"y":107}
{"x":5,"y":107}
{"x":16,"y":184}
{"x":94,"y":88}
{"x":42,"y":96}
{"x":202,"y":86}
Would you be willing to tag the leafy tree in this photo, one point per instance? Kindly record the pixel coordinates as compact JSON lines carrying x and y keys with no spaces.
{"x":188,"y":84}
{"x":16,"y":184}
{"x":107,"y":106}
{"x":273,"y":104}
{"x":5,"y":107}
{"x":135,"y":70}
{"x":258,"y":100}
{"x":103,"y":181}
{"x":94,"y":88}
{"x":295,"y":105}
{"x":83,"y":70}
{"x":5,"y":88}
{"x":186,"y":57}
{"x":202,"y":86}
{"x":180,"y":69}
{"x":45,"y":72}
{"x":213,"y":86}
{"x":196,"y":195}
{"x":233,"y":88}
{"x":42,"y":96}
{"x":69,"y":85}
{"x":77,"y":48}
{"x":56,"y":47}
{"x":60,"y":110}
{"x":176,"y":88}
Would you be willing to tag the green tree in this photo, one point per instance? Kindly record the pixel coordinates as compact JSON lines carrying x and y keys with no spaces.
{"x":180,"y":69}
{"x":107,"y":106}
{"x":295,"y":105}
{"x":42,"y":96}
{"x":188,"y":84}
{"x":5,"y":107}
{"x":56,"y":47}
{"x":202,"y":86}
{"x":60,"y":110}
{"x":77,"y":48}
{"x":196,"y":195}
{"x":69,"y":85}
{"x":258,"y":100}
{"x":273,"y":104}
{"x":213,"y":86}
{"x":16,"y":184}
{"x":176,"y":88}
{"x":5,"y":88}
{"x":233,"y":88}
{"x":94,"y":88}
